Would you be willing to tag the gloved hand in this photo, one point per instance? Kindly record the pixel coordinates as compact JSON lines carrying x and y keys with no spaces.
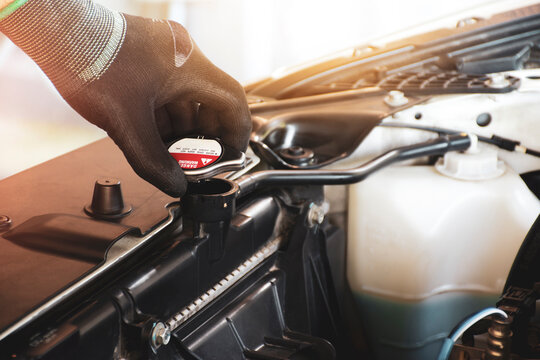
{"x":143,"y":81}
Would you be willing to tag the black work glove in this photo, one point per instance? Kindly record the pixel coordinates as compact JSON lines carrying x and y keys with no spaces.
{"x":142,"y":80}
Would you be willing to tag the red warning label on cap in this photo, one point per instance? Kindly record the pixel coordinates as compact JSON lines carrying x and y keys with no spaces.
{"x":194,"y":153}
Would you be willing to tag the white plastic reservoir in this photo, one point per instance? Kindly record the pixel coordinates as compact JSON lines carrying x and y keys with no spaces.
{"x":425,"y":250}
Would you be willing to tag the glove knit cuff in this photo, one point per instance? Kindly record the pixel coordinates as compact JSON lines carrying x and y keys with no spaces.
{"x":73,"y":41}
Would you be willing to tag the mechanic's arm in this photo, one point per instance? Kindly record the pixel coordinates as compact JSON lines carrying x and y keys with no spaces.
{"x":142,"y":80}
{"x":4,"y":3}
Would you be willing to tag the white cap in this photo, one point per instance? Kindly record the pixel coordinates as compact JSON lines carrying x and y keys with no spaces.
{"x":476,"y":163}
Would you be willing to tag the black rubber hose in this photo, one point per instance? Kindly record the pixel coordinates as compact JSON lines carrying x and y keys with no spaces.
{"x":500,"y":142}
{"x":439,"y":146}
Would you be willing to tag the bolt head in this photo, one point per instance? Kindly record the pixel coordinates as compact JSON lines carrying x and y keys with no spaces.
{"x":161,"y":335}
{"x":296,"y":150}
{"x":164,"y":337}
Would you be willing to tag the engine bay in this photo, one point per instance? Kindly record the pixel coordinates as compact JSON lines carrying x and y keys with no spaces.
{"x":388,"y":209}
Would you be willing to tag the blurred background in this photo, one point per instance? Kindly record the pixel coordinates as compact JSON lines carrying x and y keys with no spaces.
{"x":249,"y":39}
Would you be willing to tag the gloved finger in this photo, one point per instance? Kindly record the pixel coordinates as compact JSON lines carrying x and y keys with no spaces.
{"x":233,"y":117}
{"x":208,"y":124}
{"x":210,"y":86}
{"x":138,"y":138}
{"x":183,"y":117}
{"x":163,"y":123}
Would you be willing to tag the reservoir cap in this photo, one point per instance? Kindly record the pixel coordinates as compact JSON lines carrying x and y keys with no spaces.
{"x":201,"y":157}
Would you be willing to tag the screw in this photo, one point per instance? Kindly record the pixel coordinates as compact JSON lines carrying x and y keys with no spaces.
{"x":161,"y":335}
{"x":396,"y":98}
{"x":5,"y":222}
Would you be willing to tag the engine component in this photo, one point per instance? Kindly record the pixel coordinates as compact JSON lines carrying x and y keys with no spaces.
{"x":107,"y":200}
{"x":474,"y":164}
{"x":396,"y":98}
{"x":297,"y":155}
{"x":201,"y":158}
{"x":500,"y":142}
{"x":210,"y":200}
{"x":161,"y":335}
{"x":439,"y":146}
{"x":251,"y":264}
{"x":499,"y":339}
{"x":465,"y":325}
{"x":448,"y":83}
{"x":307,"y":140}
{"x":406,"y":235}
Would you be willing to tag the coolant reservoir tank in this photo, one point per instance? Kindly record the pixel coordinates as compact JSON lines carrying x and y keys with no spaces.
{"x":429,"y":246}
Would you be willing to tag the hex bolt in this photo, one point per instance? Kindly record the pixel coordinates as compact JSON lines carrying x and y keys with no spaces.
{"x":161,"y":335}
{"x":396,"y":98}
{"x":5,"y":222}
